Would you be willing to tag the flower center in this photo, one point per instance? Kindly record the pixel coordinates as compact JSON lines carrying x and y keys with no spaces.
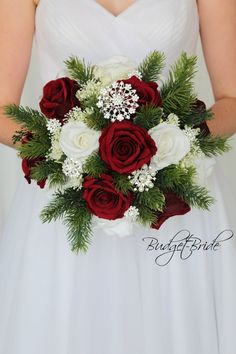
{"x":82,"y":141}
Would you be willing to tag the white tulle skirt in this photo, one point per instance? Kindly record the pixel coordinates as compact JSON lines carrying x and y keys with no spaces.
{"x":126,"y":295}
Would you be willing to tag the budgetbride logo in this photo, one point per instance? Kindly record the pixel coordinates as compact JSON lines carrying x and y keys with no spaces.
{"x":184,"y":244}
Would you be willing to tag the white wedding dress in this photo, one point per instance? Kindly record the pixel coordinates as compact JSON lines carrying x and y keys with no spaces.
{"x":119,"y":297}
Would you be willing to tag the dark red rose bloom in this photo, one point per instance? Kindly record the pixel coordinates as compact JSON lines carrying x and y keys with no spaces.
{"x":204,"y":128}
{"x":147,"y":91}
{"x":27,"y":137}
{"x":27,"y":165}
{"x":174,"y":206}
{"x":103,"y":199}
{"x":125,"y":146}
{"x":200,"y":108}
{"x":59,"y":96}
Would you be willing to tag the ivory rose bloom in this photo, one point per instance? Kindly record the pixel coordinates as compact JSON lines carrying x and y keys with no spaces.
{"x":172,"y":145}
{"x":113,"y":69}
{"x":77,"y":141}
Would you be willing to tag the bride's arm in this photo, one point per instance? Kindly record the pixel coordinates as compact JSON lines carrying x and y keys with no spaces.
{"x":218,"y":35}
{"x":16,"y":34}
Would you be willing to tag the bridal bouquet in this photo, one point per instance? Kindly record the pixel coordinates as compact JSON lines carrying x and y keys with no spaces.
{"x":115,"y":143}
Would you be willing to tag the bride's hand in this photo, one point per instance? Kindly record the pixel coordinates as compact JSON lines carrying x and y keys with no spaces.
{"x":16,"y":35}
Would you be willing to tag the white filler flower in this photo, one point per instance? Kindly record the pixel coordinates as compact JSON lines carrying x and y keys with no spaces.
{"x":77,"y":141}
{"x":172,"y":145}
{"x":113,"y":69}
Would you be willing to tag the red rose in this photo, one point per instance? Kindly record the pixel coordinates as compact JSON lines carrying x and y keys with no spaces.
{"x":27,"y":165}
{"x":125,"y":146}
{"x":204,"y":128}
{"x":27,"y":137}
{"x":59,"y":97}
{"x":174,"y":206}
{"x":103,"y":199}
{"x":147,"y":91}
{"x":200,"y":108}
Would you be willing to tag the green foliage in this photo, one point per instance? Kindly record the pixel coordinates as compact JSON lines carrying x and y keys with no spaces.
{"x":56,"y":179}
{"x":195,"y":195}
{"x":173,"y":175}
{"x":148,"y":116}
{"x":146,"y":216}
{"x":122,"y":183}
{"x":152,"y":66}
{"x":212,"y":146}
{"x":30,"y":118}
{"x":43,"y":169}
{"x":94,"y":165}
{"x":34,"y":148}
{"x":89,"y":102}
{"x":49,"y":170}
{"x":96,"y":120}
{"x":182,"y":182}
{"x":18,"y":136}
{"x":71,"y":208}
{"x":153,"y":199}
{"x":34,"y":122}
{"x":196,"y":118}
{"x":78,"y":70}
{"x":177,"y":92}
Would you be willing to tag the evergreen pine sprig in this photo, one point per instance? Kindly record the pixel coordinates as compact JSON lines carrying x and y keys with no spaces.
{"x":57,"y":179}
{"x":194,"y":195}
{"x":50,"y":170}
{"x":195,"y":118}
{"x":70,"y":207}
{"x":148,"y":116}
{"x":90,"y":102}
{"x":30,"y":118}
{"x":18,"y":136}
{"x":177,"y":92}
{"x":32,"y":121}
{"x":122,"y":183}
{"x":212,"y":146}
{"x":43,"y":169}
{"x":94,"y":165}
{"x":146,"y":215}
{"x":96,"y":120}
{"x":153,"y":199}
{"x":152,"y":66}
{"x":78,"y":70}
{"x":182,"y":182}
{"x":34,"y":148}
{"x":173,"y":175}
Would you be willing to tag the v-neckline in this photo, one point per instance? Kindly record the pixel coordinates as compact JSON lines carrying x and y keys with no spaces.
{"x":109,"y":13}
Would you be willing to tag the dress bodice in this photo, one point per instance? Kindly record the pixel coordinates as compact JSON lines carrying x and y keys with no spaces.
{"x":86,"y":29}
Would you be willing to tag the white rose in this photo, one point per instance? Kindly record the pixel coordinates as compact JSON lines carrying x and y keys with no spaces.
{"x":78,"y":141}
{"x":113,"y":69}
{"x":172,"y":145}
{"x":121,"y":227}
